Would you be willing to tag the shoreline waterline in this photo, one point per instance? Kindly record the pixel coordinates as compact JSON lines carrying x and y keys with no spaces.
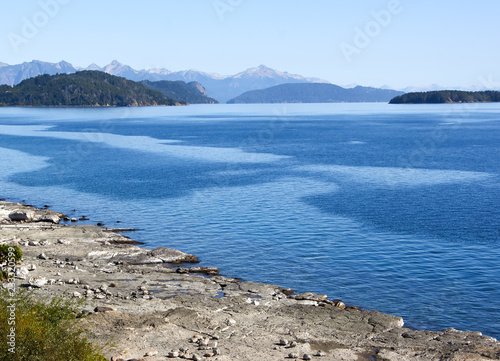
{"x":87,"y":221}
{"x":128,"y":288}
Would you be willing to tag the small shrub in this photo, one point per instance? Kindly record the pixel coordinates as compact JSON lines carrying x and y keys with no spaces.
{"x":44,"y":331}
{"x":4,"y":253}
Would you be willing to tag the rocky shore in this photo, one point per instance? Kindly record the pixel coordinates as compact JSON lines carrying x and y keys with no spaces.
{"x":158,"y":305}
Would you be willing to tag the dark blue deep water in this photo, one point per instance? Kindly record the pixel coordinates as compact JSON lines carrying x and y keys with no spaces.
{"x":390,"y":208}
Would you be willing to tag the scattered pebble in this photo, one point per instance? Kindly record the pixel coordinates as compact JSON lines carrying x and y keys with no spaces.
{"x":288,"y":291}
{"x":21,"y":272}
{"x":283,"y":342}
{"x":339,"y":304}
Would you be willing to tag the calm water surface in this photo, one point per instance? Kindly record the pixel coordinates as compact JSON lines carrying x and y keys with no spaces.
{"x":391,"y":208}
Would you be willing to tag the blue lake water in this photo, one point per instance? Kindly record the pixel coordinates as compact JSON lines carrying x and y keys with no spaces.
{"x":390,"y":208}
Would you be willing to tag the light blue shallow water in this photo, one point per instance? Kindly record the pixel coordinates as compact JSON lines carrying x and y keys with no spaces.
{"x":393,"y":208}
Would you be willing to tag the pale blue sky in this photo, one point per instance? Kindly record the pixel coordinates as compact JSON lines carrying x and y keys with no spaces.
{"x":422,"y":41}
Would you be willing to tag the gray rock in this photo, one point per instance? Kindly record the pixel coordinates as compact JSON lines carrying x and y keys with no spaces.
{"x":47,"y":216}
{"x":288,"y":291}
{"x":22,"y":215}
{"x":173,"y":354}
{"x":37,"y":282}
{"x":283,"y":342}
{"x":168,"y":255}
{"x":22,"y":272}
{"x":339,"y":304}
{"x":204,"y":270}
{"x":310,"y":296}
{"x":308,"y":303}
{"x":42,"y":256}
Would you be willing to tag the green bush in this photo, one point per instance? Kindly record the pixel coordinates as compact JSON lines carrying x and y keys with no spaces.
{"x":44,"y":331}
{"x":5,"y":254}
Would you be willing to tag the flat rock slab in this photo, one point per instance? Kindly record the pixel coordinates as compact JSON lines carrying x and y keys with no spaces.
{"x":17,"y":212}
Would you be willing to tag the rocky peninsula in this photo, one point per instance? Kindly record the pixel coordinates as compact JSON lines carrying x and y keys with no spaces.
{"x":158,"y":305}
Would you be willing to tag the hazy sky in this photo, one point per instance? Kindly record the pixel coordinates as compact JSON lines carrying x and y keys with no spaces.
{"x":368,"y":42}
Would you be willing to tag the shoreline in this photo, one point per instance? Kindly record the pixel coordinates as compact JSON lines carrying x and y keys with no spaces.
{"x":151,"y":302}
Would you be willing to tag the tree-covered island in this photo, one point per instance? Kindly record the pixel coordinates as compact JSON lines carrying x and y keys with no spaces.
{"x":447,"y":96}
{"x":80,"y":89}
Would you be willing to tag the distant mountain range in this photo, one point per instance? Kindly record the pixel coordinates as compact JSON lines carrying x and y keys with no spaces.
{"x":220,"y":87}
{"x":14,"y":74}
{"x":315,"y":93}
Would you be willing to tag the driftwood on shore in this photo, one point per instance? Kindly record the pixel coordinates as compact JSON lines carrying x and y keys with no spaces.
{"x":154,"y":305}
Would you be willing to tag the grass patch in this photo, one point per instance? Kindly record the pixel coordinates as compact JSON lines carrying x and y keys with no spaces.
{"x":44,"y":331}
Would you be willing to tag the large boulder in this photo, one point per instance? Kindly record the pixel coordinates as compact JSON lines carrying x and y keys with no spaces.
{"x":19,"y":215}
